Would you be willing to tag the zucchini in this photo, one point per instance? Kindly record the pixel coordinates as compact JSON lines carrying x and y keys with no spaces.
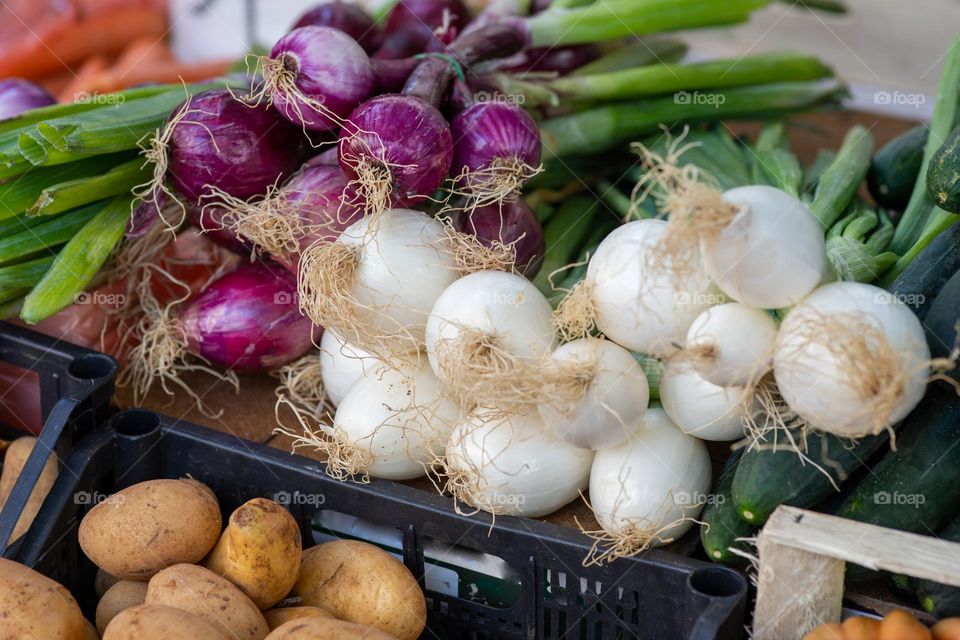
{"x":942,"y":600}
{"x":943,"y":174}
{"x":941,"y":322}
{"x":722,"y":527}
{"x":923,"y":279}
{"x":768,"y":478}
{"x":895,"y":167}
{"x":914,"y":487}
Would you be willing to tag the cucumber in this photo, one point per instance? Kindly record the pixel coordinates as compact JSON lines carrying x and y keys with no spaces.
{"x":920,"y":282}
{"x":914,"y":487}
{"x":722,"y":526}
{"x":942,"y":600}
{"x":895,"y":167}
{"x":767,"y":478}
{"x":943,"y":174}
{"x":941,"y":322}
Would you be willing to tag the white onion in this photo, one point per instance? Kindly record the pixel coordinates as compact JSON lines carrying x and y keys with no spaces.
{"x":515,"y":465}
{"x":732,"y":344}
{"x":501,"y":310}
{"x":642,"y":304}
{"x":397,"y":422}
{"x":342,"y":365}
{"x":832,"y":385}
{"x":642,"y":490}
{"x":613,"y":398}
{"x":700,"y":408}
{"x":771,"y":254}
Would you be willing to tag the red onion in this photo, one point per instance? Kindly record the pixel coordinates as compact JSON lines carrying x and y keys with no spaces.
{"x":18,"y":95}
{"x":217,"y":141}
{"x":412,"y":26}
{"x":315,"y":194}
{"x":248,"y":320}
{"x":349,"y":18}
{"x":209,"y":218}
{"x":397,"y":150}
{"x":316,"y":75}
{"x":512,"y":224}
{"x":561,"y":60}
{"x":497,"y":149}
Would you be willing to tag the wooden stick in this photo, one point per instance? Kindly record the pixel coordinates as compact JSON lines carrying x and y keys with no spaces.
{"x":802,"y":559}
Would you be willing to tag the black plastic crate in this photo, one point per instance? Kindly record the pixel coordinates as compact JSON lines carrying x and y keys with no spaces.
{"x":74,"y":385}
{"x":657,"y":595}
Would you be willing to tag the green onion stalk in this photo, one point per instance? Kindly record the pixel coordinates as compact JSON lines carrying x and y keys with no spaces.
{"x":637,"y":54}
{"x":657,"y":79}
{"x":857,"y":243}
{"x":839,"y":182}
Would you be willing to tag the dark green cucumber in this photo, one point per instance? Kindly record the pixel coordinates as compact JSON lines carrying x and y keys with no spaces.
{"x":722,"y":527}
{"x":942,"y":600}
{"x":920,"y":282}
{"x":895,"y":168}
{"x":767,"y":478}
{"x":914,"y":488}
{"x":941,"y":321}
{"x":943,"y":174}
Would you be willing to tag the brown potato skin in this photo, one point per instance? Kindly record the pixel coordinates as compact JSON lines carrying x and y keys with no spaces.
{"x":149,"y":526}
{"x":259,"y":551}
{"x":121,"y":596}
{"x":34,"y":606}
{"x":203,"y":593}
{"x":13,"y":462}
{"x":152,"y":622}
{"x":314,"y":628}
{"x":277,"y":617}
{"x":362,"y":583}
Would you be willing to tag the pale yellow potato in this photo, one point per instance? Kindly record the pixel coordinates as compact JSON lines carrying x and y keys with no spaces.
{"x":277,"y":617}
{"x":89,"y":631}
{"x":205,"y":594}
{"x":317,"y":628}
{"x":359,"y":582}
{"x":103,"y":581}
{"x":34,"y":606}
{"x":259,"y":551}
{"x":149,"y":526}
{"x":121,"y":596}
{"x":153,"y":622}
{"x":13,"y":462}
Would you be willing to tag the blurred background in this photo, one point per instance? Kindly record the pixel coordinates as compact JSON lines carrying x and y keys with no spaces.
{"x":890,"y":51}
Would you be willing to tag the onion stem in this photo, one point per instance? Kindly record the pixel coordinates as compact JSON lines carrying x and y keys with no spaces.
{"x":638,"y":54}
{"x":24,"y":275}
{"x":606,"y":127}
{"x":74,"y":193}
{"x":79,"y":261}
{"x":840,"y":181}
{"x":921,"y":209}
{"x":43,"y":237}
{"x":612,"y":19}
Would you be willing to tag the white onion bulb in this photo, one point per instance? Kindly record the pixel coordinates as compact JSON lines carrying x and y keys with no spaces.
{"x":342,"y":365}
{"x":700,"y":408}
{"x":732,"y":344}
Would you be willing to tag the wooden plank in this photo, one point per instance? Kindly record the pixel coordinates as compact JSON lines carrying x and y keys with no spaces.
{"x":865,"y":544}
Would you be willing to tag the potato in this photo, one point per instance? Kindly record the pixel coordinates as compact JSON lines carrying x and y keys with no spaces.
{"x":153,"y":622}
{"x":259,"y":551}
{"x":34,"y":606}
{"x":313,"y":628}
{"x":121,"y":596}
{"x":276,"y":617}
{"x":13,"y":462}
{"x":206,"y":595}
{"x":946,"y":629}
{"x":860,"y":628}
{"x":149,"y":526}
{"x":89,"y":631}
{"x":103,"y":581}
{"x":900,"y":625}
{"x":359,"y":582}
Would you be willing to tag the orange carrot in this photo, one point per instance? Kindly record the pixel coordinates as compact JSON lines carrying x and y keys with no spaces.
{"x":88,"y":75}
{"x":164,"y":72}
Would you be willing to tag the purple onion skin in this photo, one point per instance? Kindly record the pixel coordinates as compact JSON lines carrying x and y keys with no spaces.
{"x":209,"y":220}
{"x":411,"y":26}
{"x":248,"y":320}
{"x":561,"y":60}
{"x":410,"y":135}
{"x":487,"y":131}
{"x":349,"y":18}
{"x":331,"y":68}
{"x":511,"y":222}
{"x":18,"y":95}
{"x":242,"y":150}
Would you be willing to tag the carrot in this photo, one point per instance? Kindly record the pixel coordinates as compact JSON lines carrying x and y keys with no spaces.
{"x":67,"y":43}
{"x":142,"y":51}
{"x":859,"y":628}
{"x":947,"y":629}
{"x":164,"y":72}
{"x":900,"y":625}
{"x":829,"y":631}
{"x":88,"y":75}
